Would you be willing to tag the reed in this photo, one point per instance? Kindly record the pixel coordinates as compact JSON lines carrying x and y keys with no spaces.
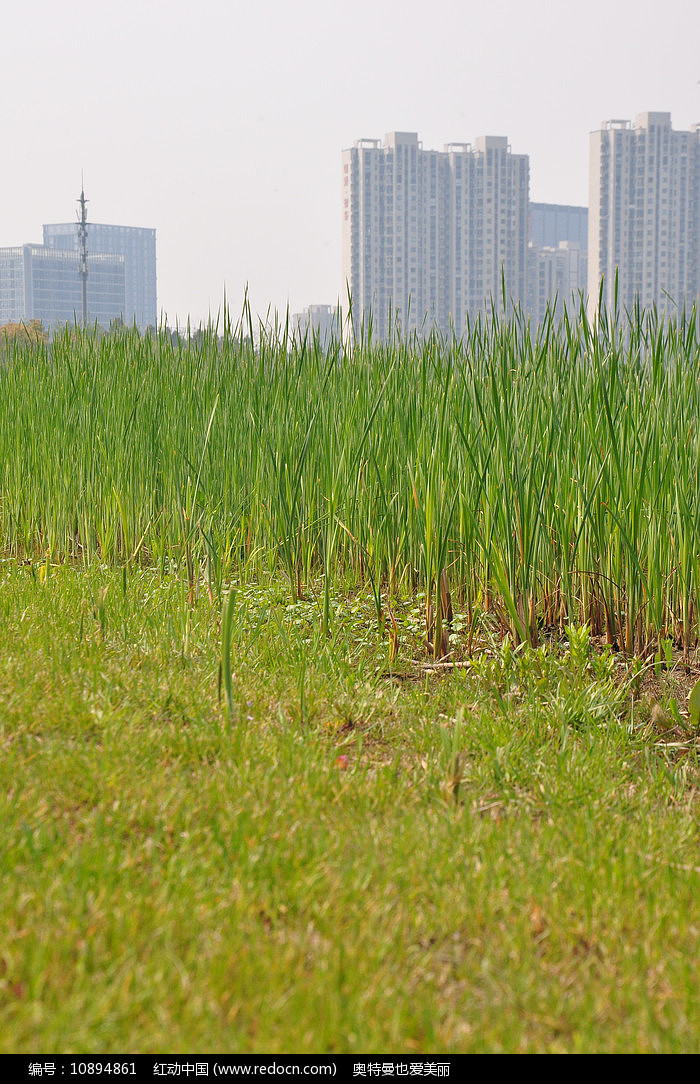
{"x":546,"y":475}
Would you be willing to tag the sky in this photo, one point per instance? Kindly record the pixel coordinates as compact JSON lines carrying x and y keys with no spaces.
{"x":221,"y":123}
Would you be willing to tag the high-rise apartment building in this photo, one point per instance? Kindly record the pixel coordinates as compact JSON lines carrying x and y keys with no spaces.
{"x":431,"y":237}
{"x":489,"y":226}
{"x":135,"y":244}
{"x":396,"y":207}
{"x":644,"y":215}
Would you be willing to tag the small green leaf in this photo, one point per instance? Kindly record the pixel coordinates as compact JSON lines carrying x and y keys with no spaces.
{"x":225,"y":669}
{"x":694,"y":705}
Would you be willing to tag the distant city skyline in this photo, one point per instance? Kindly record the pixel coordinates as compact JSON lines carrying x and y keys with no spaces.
{"x":431,"y":239}
{"x":226,"y":140}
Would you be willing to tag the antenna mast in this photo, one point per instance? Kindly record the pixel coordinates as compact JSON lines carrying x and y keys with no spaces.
{"x":82,"y":244}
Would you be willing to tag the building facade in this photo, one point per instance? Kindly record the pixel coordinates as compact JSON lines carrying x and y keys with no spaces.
{"x":552,"y":223}
{"x":396,"y":207}
{"x":40,"y":283}
{"x":488,"y":227}
{"x":322,"y":323}
{"x":135,"y":244}
{"x":430,"y":238}
{"x":557,"y":259}
{"x":557,"y":278}
{"x":644,"y":222}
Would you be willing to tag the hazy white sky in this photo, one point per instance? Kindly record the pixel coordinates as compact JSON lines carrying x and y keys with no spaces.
{"x":221,"y":122}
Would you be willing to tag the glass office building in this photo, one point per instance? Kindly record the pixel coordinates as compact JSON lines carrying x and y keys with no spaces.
{"x":40,"y":283}
{"x":136,"y":245}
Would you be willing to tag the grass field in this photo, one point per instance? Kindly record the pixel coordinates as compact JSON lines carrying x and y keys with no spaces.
{"x":246,"y":807}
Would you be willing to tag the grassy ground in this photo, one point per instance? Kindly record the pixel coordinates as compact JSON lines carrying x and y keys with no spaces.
{"x":362,"y":857}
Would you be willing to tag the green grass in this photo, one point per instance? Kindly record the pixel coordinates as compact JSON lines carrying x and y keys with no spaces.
{"x":246,"y":806}
{"x":507,"y":860}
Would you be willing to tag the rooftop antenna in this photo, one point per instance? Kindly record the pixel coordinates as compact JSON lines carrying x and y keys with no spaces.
{"x":82,"y":245}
